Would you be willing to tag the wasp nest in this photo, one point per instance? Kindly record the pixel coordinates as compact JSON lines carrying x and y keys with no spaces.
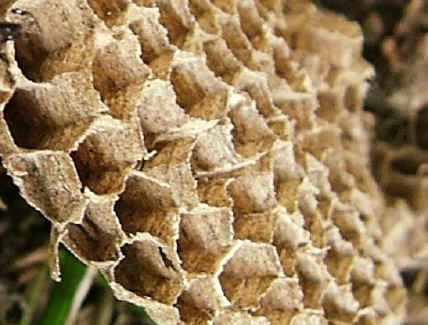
{"x":210,"y":158}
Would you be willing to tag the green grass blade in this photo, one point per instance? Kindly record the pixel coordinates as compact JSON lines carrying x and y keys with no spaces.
{"x":61,"y":296}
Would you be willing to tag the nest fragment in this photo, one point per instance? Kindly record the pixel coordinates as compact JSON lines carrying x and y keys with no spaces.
{"x":211,"y":158}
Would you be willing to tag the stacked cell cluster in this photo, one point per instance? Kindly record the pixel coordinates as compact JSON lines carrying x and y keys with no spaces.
{"x":210,"y":158}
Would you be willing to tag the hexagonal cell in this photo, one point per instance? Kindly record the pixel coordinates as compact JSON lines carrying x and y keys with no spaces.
{"x":339,"y":303}
{"x":53,"y":44}
{"x":344,"y":38}
{"x":107,"y":153}
{"x":363,"y":280}
{"x":283,"y":65}
{"x":153,"y":37}
{"x":300,"y":107}
{"x":111,"y":12}
{"x":147,"y":205}
{"x":339,"y":181}
{"x":205,"y":238}
{"x":290,"y":232}
{"x":287,"y":194}
{"x":200,"y":301}
{"x":257,"y":85}
{"x":174,"y":16}
{"x":55,"y":115}
{"x":119,"y":72}
{"x":281,"y":301}
{"x":317,"y":174}
{"x":48,"y":181}
{"x":249,"y":273}
{"x":191,"y":314}
{"x":253,"y":193}
{"x":146,"y":271}
{"x":98,"y":236}
{"x":252,"y":24}
{"x":90,"y":243}
{"x":257,"y":227}
{"x":253,"y":190}
{"x":242,"y":48}
{"x":350,"y":225}
{"x":251,"y":134}
{"x":313,"y":277}
{"x":171,"y":165}
{"x":205,"y":14}
{"x":158,"y":111}
{"x":321,"y":140}
{"x":198,"y":91}
{"x":340,"y":256}
{"x":213,"y":191}
{"x":221,"y":60}
{"x":236,"y":40}
{"x":363,"y":176}
{"x":315,"y":223}
{"x":214,"y":150}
